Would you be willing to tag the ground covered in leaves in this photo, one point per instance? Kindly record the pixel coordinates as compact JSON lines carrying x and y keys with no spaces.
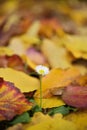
{"x":52,"y":34}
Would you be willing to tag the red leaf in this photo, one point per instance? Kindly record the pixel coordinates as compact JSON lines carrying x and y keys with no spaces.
{"x":12,"y":101}
{"x":14,"y":62}
{"x":76,"y":96}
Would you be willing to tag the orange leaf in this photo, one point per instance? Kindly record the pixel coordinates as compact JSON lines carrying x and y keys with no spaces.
{"x":12,"y":101}
{"x":82,"y":80}
{"x":57,"y":78}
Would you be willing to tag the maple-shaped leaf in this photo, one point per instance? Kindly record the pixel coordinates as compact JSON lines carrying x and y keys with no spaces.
{"x":12,"y":101}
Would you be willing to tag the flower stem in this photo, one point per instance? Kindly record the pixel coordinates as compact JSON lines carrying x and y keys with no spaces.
{"x":40,"y":91}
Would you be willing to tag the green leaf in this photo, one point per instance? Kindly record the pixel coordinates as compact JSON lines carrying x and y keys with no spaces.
{"x":72,"y":108}
{"x":35,"y":109}
{"x":62,"y":109}
{"x":24,"y":118}
{"x":31,"y":100}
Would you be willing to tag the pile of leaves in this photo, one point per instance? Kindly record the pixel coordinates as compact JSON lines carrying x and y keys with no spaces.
{"x":50,"y":34}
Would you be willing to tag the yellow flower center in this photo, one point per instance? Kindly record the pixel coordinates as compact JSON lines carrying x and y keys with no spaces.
{"x":41,"y":71}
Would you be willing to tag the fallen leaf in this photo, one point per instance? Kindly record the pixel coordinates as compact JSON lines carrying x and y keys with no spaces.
{"x":45,"y":122}
{"x":79,"y":16}
{"x":62,"y":109}
{"x":79,"y":118}
{"x":21,"y":80}
{"x":62,"y":124}
{"x":50,"y":102}
{"x":14,"y":18}
{"x":16,"y":62}
{"x":81,"y":68}
{"x":31,"y":36}
{"x":16,"y":45}
{"x":33,"y":29}
{"x":23,"y":118}
{"x":77,"y":46}
{"x":12,"y":101}
{"x":13,"y":61}
{"x":35,"y":56}
{"x":5,"y":51}
{"x":10,"y":6}
{"x":18,"y":126}
{"x":75,"y":95}
{"x":56,"y":55}
{"x":30,"y":63}
{"x":39,"y":117}
{"x":29,"y":40}
{"x":50,"y":26}
{"x":57,"y":78}
{"x":82,"y":80}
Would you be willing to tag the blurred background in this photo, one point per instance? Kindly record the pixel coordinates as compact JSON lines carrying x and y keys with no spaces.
{"x":37,"y":28}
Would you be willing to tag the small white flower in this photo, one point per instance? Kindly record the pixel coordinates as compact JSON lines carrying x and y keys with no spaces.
{"x":42,"y":70}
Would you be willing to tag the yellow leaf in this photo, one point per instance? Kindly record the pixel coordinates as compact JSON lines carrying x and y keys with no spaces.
{"x":79,"y":16}
{"x":56,"y":55}
{"x":57,"y":78}
{"x":82,"y":80}
{"x":64,"y":8}
{"x":31,"y":36}
{"x":30,"y":63}
{"x":45,"y":122}
{"x":16,"y":45}
{"x":5,"y":51}
{"x":38,"y":118}
{"x":34,"y":29}
{"x":79,"y":118}
{"x":50,"y":102}
{"x":21,"y":80}
{"x":62,"y":124}
{"x":14,"y":18}
{"x":10,"y":6}
{"x":81,"y":68}
{"x":77,"y":46}
{"x":29,"y":40}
